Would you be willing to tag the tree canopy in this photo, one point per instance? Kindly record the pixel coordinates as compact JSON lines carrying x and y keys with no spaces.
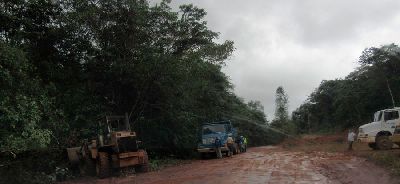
{"x":64,"y":64}
{"x":351,"y":102}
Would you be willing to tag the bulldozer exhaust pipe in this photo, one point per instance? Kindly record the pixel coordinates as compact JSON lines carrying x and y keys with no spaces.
{"x":128,"y":126}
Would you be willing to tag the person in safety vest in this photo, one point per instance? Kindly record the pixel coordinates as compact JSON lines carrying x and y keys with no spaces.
{"x":245,"y":143}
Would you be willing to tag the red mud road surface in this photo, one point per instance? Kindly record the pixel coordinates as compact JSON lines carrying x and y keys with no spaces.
{"x":265,"y":165}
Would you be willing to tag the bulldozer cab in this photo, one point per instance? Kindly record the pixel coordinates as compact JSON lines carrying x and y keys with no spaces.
{"x":117,"y":123}
{"x":117,"y":134}
{"x":111,"y":125}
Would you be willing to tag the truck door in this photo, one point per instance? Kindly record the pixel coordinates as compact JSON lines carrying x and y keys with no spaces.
{"x":391,"y":119}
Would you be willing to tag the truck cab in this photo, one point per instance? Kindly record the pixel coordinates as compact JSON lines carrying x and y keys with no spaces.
{"x":210,"y":131}
{"x":379,"y":133}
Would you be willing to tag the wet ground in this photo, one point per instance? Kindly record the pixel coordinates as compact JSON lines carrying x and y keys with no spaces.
{"x":266,"y":165}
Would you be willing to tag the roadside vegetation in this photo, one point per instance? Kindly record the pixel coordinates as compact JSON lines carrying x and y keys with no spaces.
{"x":336,"y":105}
{"x":350,"y":102}
{"x":65,"y":64}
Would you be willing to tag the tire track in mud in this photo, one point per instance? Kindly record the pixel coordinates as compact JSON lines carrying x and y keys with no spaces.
{"x":266,"y":165}
{"x":259,"y":165}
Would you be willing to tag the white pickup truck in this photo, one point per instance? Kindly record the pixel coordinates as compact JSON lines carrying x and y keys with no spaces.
{"x":380,"y":133}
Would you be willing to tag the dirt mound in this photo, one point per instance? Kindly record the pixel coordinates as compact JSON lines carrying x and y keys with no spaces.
{"x":325,"y":138}
{"x":312,"y":140}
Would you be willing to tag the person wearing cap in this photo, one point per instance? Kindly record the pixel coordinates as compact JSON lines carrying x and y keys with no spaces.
{"x":230,"y":143}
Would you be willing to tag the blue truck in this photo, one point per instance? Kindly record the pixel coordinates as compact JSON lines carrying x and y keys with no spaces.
{"x":222,"y":130}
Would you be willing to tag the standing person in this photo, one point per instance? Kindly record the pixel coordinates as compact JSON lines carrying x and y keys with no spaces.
{"x":350,"y":138}
{"x":238,"y":143}
{"x":241,"y":143}
{"x":230,"y":143}
{"x":245,"y":144}
{"x":218,"y":145}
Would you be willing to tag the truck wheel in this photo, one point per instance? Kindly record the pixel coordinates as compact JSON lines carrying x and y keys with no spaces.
{"x":384,"y":143}
{"x":103,"y":169}
{"x":372,"y":145}
{"x":142,"y":168}
{"x":88,"y":167}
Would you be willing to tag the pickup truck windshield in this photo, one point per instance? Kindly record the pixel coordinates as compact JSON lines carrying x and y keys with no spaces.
{"x":210,"y":129}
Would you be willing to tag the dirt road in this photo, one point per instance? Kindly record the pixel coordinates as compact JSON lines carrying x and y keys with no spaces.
{"x":267,"y":165}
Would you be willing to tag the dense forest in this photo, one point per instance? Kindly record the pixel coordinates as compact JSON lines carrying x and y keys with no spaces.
{"x":350,"y":102}
{"x":65,"y":64}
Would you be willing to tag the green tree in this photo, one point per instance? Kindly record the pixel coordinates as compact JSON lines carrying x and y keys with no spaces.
{"x":23,"y":104}
{"x":281,"y":120}
{"x":281,"y":105}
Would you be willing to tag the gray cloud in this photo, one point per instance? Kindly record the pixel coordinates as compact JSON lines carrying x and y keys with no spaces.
{"x":296,"y":44}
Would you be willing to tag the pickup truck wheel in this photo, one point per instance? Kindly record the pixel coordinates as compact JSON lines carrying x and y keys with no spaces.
{"x":372,"y":145}
{"x":384,"y":143}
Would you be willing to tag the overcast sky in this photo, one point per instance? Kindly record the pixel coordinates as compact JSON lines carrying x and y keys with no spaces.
{"x":296,"y":43}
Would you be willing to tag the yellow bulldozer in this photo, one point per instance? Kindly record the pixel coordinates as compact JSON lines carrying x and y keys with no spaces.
{"x":116,"y":146}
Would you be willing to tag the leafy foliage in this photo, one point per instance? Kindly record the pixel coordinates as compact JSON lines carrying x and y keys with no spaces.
{"x":22,"y":104}
{"x":350,"y":102}
{"x":64,"y":64}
